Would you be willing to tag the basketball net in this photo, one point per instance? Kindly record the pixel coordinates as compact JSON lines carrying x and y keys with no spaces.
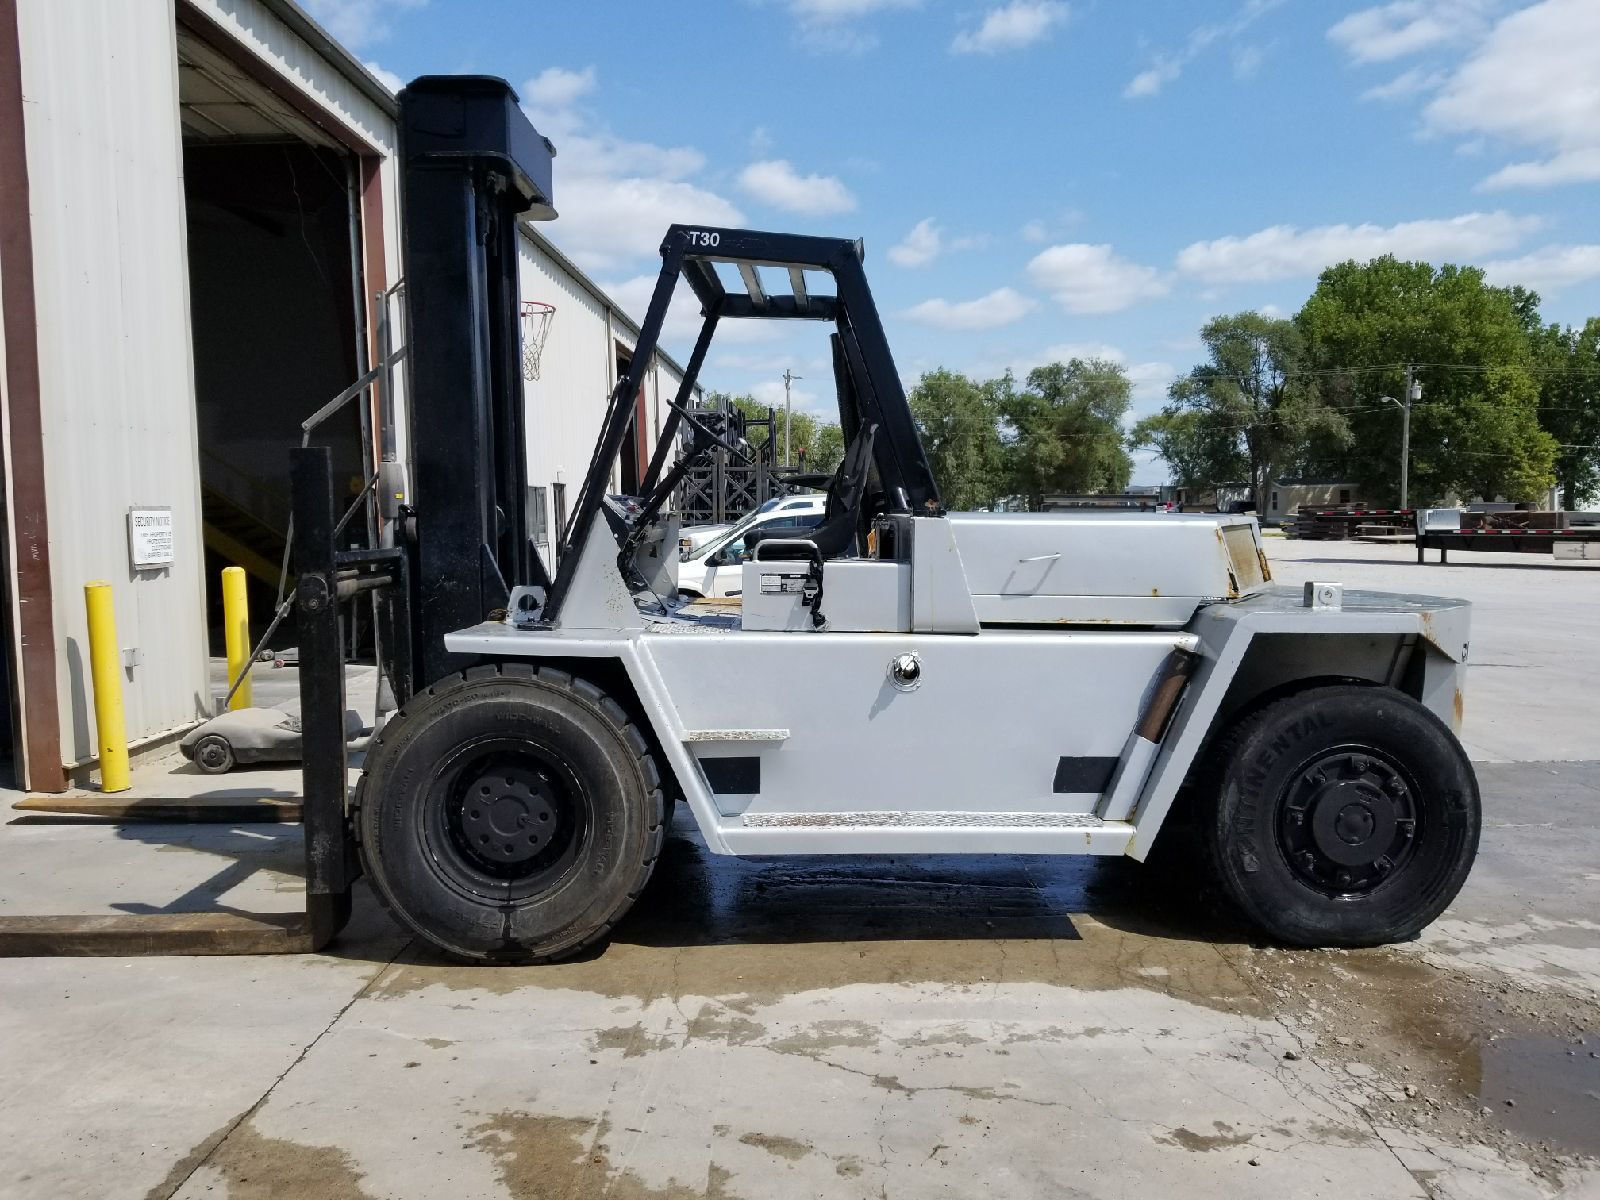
{"x":536,"y":316}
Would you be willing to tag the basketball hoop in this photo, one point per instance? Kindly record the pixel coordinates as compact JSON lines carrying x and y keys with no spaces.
{"x":536,"y":315}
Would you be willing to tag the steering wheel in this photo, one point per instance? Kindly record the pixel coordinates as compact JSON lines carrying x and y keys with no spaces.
{"x":701,"y":427}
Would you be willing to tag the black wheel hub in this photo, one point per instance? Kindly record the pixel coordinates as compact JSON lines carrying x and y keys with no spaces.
{"x":1348,"y":822}
{"x":509,"y":813}
{"x":211,"y":753}
{"x":510,"y":819}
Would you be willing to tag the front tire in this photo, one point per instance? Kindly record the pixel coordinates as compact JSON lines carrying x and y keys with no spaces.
{"x":1345,"y":816}
{"x":508,"y":815}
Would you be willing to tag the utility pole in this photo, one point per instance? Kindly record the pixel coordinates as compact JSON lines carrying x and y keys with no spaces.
{"x":1413,"y":392}
{"x":789,"y":377}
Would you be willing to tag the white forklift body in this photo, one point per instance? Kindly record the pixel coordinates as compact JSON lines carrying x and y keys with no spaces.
{"x":1012,"y":736}
{"x":903,"y":680}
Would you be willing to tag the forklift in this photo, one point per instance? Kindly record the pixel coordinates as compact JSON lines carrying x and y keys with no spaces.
{"x":901,"y":680}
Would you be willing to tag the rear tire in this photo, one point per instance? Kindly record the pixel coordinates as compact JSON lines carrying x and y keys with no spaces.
{"x":1345,"y":816}
{"x":508,"y":815}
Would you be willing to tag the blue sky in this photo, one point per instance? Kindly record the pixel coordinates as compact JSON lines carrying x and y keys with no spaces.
{"x":1036,"y":179}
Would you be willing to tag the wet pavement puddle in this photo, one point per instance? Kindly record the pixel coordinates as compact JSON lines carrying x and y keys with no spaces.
{"x":1553,"y":1085}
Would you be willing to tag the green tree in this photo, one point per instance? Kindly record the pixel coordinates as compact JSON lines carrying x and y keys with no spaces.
{"x":1476,"y":431}
{"x":1063,"y":429}
{"x":1568,"y":362}
{"x":1247,"y":413}
{"x":1199,"y":452}
{"x":961,"y":436}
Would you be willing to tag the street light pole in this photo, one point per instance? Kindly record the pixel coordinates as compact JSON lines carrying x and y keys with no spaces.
{"x":789,"y":377}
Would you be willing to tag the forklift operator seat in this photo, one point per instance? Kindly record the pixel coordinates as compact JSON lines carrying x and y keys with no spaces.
{"x":841,"y":514}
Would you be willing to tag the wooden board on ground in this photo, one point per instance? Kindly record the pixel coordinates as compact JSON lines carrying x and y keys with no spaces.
{"x":155,"y":934}
{"x":225,"y":810}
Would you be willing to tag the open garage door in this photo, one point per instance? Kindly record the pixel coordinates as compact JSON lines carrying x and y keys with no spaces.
{"x":275,"y":277}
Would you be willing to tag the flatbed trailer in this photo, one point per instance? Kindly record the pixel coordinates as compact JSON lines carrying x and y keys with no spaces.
{"x":1563,"y":535}
{"x":1581,"y":543}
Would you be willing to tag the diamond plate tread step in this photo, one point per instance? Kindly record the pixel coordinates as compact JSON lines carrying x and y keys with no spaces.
{"x":923,"y":820}
{"x":736,"y":735}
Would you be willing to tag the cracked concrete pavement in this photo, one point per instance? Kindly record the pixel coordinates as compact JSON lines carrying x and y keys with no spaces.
{"x":900,"y":1027}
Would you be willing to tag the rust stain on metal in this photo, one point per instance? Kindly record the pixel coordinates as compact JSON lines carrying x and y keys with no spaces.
{"x":1458,"y":706}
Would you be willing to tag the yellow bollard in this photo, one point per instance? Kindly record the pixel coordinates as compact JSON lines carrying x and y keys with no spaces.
{"x":236,"y":632}
{"x":105,"y":669}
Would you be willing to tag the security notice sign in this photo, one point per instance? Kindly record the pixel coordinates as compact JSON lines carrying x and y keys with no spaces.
{"x":149,"y":537}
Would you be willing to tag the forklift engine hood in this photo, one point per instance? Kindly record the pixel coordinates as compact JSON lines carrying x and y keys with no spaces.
{"x":1103,"y":568}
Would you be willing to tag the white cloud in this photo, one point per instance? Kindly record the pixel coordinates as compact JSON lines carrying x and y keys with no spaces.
{"x":602,"y":153}
{"x":1247,"y":61}
{"x":1011,"y":27}
{"x":1405,"y":85}
{"x":607,"y":220}
{"x":385,"y":76}
{"x":1571,"y":166}
{"x":1093,"y":279}
{"x":1389,"y":31}
{"x":1150,"y":81}
{"x":1285,"y":252}
{"x":927,"y":241}
{"x":1166,"y":67}
{"x":616,"y":197}
{"x":1548,"y":268}
{"x":844,"y":10}
{"x":1534,"y":80}
{"x":1000,"y":307}
{"x":833,"y":26}
{"x":919,"y":247}
{"x":777,"y":183}
{"x":557,"y":87}
{"x":356,"y":22}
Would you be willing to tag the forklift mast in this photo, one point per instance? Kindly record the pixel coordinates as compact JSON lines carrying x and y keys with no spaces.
{"x":470,"y":164}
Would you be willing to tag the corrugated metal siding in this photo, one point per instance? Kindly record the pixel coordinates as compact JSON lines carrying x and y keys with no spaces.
{"x":111,"y":281}
{"x":263,"y":34}
{"x":100,"y":83}
{"x":567,"y":403}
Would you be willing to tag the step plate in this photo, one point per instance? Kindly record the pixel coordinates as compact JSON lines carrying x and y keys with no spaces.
{"x":922,"y":820}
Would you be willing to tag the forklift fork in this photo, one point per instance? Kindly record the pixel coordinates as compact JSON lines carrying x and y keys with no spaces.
{"x":327,"y":575}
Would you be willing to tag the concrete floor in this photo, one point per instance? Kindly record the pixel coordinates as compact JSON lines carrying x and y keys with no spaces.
{"x":1017,"y":1027}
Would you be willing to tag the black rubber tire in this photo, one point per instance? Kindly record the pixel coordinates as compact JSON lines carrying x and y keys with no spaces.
{"x":556,"y":713}
{"x":213,"y":754}
{"x":1258,"y":764}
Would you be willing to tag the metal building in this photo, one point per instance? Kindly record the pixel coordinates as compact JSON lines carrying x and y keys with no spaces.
{"x":197,"y":219}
